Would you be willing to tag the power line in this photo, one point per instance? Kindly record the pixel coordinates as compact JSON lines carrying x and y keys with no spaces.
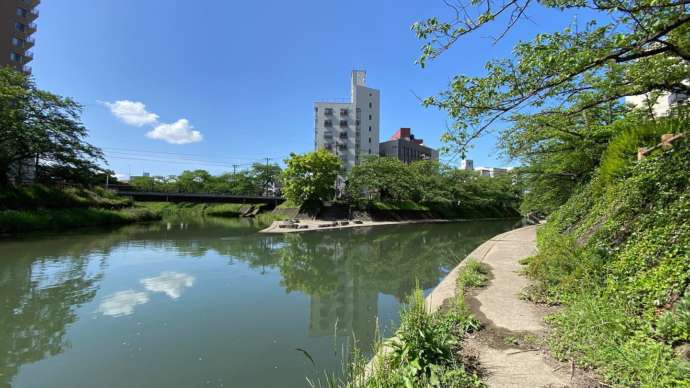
{"x":245,"y":157}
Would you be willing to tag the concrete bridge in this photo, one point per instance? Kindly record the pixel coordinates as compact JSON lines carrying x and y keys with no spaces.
{"x":150,"y":196}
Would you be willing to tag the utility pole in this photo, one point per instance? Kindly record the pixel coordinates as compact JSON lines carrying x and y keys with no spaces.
{"x":267,"y":177}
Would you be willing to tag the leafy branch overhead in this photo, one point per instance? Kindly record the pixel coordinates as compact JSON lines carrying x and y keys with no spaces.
{"x":630,"y":47}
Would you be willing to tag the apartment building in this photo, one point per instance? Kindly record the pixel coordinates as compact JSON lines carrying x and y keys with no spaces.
{"x":349,"y":129}
{"x":18,"y":24}
{"x":404,"y":146}
{"x":468,"y":164}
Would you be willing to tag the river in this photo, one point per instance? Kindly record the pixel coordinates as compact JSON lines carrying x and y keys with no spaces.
{"x":209,"y":302}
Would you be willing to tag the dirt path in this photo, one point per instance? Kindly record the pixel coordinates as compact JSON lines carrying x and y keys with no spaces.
{"x":509,"y":347}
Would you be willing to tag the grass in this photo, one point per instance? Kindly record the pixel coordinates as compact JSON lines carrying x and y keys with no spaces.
{"x":42,"y":197}
{"x":475,"y":274}
{"x":616,"y":256}
{"x":20,"y":221}
{"x":423,"y":352}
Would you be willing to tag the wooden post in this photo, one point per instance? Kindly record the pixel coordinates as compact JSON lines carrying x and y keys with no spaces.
{"x":666,"y":141}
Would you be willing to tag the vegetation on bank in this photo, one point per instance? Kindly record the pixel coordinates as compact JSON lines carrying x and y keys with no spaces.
{"x":617,"y":256}
{"x":19,"y":221}
{"x":388,"y":187}
{"x":259,"y":179}
{"x":39,"y":207}
{"x":426,"y":348}
{"x":43,"y":197}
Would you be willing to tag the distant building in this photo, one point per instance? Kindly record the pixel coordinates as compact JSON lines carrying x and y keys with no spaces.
{"x":491,"y":171}
{"x":663,"y":104}
{"x":468,"y":164}
{"x":349,"y":129}
{"x":404,"y":146}
{"x":18,"y":23}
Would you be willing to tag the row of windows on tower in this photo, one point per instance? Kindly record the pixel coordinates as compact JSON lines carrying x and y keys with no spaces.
{"x":343,"y":123}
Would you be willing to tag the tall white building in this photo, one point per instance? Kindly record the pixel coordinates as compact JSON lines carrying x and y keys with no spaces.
{"x":663,"y":104}
{"x":349,"y":129}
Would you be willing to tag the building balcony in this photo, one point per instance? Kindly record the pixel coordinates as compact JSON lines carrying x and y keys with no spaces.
{"x":343,"y":123}
{"x":344,"y":112}
{"x":30,"y":28}
{"x":26,"y":69}
{"x":342,"y":135}
{"x":328,"y":111}
{"x":29,"y":42}
{"x":28,"y":56}
{"x":327,"y":123}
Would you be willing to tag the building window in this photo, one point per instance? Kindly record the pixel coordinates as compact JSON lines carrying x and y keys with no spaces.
{"x":328,"y":111}
{"x":369,"y":140}
{"x":16,"y":42}
{"x":369,"y":152}
{"x":343,"y":123}
{"x":343,"y":112}
{"x":22,"y":12}
{"x":369,"y":104}
{"x":20,"y":27}
{"x":370,"y":128}
{"x":327,"y":123}
{"x":369,"y":117}
{"x":15,"y":57}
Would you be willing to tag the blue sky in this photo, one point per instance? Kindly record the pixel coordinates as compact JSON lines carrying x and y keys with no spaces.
{"x":235,"y":81}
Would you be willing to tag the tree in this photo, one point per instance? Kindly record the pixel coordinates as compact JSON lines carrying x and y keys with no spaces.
{"x":46,"y":128}
{"x":265,"y":175}
{"x":384,"y":178}
{"x":629,"y":47}
{"x":310,"y":176}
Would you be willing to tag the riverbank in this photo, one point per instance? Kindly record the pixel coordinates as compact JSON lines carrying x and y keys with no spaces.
{"x":280,"y":227}
{"x":498,"y":337}
{"x":21,"y":221}
{"x":510,"y":347}
{"x":41,"y":208}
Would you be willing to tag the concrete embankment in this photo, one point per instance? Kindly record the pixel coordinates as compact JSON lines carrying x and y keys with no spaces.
{"x":509,"y":346}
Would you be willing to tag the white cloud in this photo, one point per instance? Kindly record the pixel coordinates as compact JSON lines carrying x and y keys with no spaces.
{"x":179,"y":132}
{"x":170,"y":283}
{"x":122,"y":303}
{"x":132,"y":112}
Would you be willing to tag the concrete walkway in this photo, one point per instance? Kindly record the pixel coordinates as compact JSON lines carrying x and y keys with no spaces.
{"x":508,"y":348}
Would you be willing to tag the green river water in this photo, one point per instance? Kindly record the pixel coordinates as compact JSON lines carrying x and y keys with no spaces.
{"x":209,"y":302}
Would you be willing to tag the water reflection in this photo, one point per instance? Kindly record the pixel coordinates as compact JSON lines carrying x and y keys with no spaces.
{"x":39,"y":295}
{"x":44,"y":281}
{"x":169,"y":283}
{"x":122,"y":303}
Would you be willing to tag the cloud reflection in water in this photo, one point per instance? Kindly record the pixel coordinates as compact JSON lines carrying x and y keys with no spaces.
{"x":170,"y":283}
{"x":122,"y":303}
